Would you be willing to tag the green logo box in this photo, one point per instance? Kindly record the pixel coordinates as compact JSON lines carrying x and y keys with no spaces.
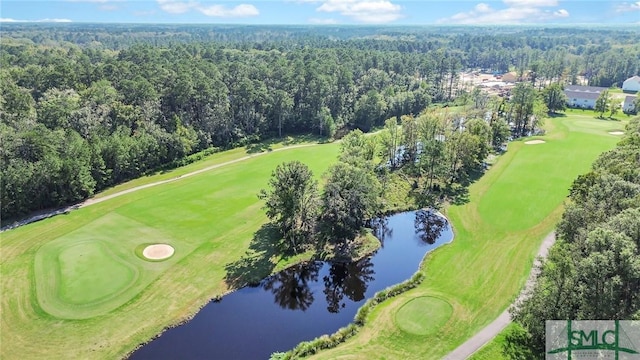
{"x":592,"y":339}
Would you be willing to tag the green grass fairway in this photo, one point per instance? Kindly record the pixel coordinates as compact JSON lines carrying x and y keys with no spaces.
{"x":95,"y":269}
{"x":423,"y":315}
{"x":493,"y":349}
{"x":76,"y":287}
{"x":497,"y":234}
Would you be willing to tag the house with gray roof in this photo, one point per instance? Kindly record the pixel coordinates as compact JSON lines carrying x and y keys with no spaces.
{"x":583,"y":97}
{"x":588,"y":89}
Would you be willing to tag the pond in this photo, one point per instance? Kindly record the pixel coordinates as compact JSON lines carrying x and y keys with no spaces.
{"x":304,"y":301}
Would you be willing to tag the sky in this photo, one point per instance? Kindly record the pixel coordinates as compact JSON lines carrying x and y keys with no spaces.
{"x":393,"y":12}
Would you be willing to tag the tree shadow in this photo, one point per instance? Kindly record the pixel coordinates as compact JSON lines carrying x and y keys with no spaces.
{"x":267,"y":145}
{"x":256,"y":263}
{"x":457,"y":194}
{"x":261,"y":146}
{"x":608,"y":118}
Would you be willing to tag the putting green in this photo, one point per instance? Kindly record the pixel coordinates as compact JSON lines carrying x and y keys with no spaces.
{"x":83,"y":277}
{"x":423,"y":315}
{"x":91,"y":271}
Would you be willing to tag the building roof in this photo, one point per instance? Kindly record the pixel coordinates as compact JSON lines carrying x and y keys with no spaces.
{"x":629,"y":99}
{"x":582,"y":95}
{"x":580,"y":88}
{"x":637,"y":78}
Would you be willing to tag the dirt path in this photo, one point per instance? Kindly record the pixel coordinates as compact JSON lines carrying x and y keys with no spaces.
{"x":485,"y":335}
{"x":93,"y":201}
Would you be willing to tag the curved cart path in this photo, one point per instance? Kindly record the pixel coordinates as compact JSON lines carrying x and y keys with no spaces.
{"x":492,"y":330}
{"x":93,"y":201}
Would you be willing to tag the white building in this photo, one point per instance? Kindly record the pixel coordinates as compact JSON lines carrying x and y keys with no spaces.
{"x":631,"y":84}
{"x":583,"y":97}
{"x":628,"y":105}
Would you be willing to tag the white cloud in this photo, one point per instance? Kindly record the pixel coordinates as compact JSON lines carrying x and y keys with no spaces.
{"x":242,"y":10}
{"x":561,"y":13}
{"x":515,"y":12}
{"x":176,"y":7}
{"x":180,"y":7}
{"x":322,"y":21}
{"x":366,"y":11}
{"x":10,"y":20}
{"x":627,"y":7}
{"x":482,"y":8}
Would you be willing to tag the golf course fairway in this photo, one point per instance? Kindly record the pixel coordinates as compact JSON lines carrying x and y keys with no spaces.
{"x":497,"y":234}
{"x":78,"y":286}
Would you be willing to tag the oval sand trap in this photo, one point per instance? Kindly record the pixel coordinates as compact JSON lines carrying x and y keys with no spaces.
{"x":158,"y":251}
{"x":616,"y":132}
{"x":534,"y":142}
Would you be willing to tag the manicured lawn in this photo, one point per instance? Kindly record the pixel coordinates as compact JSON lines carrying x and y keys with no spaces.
{"x":75,"y":286}
{"x":497,"y":234}
{"x":212,"y":160}
{"x":493,"y":350}
{"x":423,"y":315}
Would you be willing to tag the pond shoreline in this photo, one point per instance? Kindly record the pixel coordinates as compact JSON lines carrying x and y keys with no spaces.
{"x":219,"y":297}
{"x":419,"y":256}
{"x":326,"y":341}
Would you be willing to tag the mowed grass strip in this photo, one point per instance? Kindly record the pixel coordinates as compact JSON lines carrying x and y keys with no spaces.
{"x":497,"y":234}
{"x":210,"y":219}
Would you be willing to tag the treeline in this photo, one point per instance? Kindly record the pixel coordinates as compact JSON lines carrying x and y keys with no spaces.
{"x":146,"y":106}
{"x":606,"y":56}
{"x":593,"y":270}
{"x":79,"y":115}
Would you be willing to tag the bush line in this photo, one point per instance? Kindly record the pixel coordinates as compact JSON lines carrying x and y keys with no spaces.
{"x":307,"y":348}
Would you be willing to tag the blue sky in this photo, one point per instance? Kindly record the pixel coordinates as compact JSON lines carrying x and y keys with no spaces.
{"x":397,"y":12}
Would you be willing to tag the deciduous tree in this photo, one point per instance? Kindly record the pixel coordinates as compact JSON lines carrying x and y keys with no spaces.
{"x":291,"y":202}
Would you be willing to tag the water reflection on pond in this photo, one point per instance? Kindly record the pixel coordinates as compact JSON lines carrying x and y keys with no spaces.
{"x":302,"y":302}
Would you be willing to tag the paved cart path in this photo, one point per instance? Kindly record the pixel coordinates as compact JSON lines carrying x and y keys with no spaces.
{"x":492,"y":330}
{"x":93,"y":201}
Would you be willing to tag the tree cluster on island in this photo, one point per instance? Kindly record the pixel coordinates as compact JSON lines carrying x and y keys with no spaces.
{"x":431,"y":158}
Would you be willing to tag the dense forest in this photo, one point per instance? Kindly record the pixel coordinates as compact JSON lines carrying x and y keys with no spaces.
{"x":84,"y":107}
{"x":593,"y":270}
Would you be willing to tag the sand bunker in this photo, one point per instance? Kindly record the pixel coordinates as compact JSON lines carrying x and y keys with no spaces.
{"x":534,"y":142}
{"x":158,"y":251}
{"x":616,"y":132}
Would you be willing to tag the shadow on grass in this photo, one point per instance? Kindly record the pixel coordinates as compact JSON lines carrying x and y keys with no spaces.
{"x":457,"y":194}
{"x":267,"y":145}
{"x":609,"y":118}
{"x":256,"y":263}
{"x":260,"y":147}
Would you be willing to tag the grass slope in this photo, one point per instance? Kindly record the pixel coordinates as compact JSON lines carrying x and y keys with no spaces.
{"x":73,"y":286}
{"x":497,"y":234}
